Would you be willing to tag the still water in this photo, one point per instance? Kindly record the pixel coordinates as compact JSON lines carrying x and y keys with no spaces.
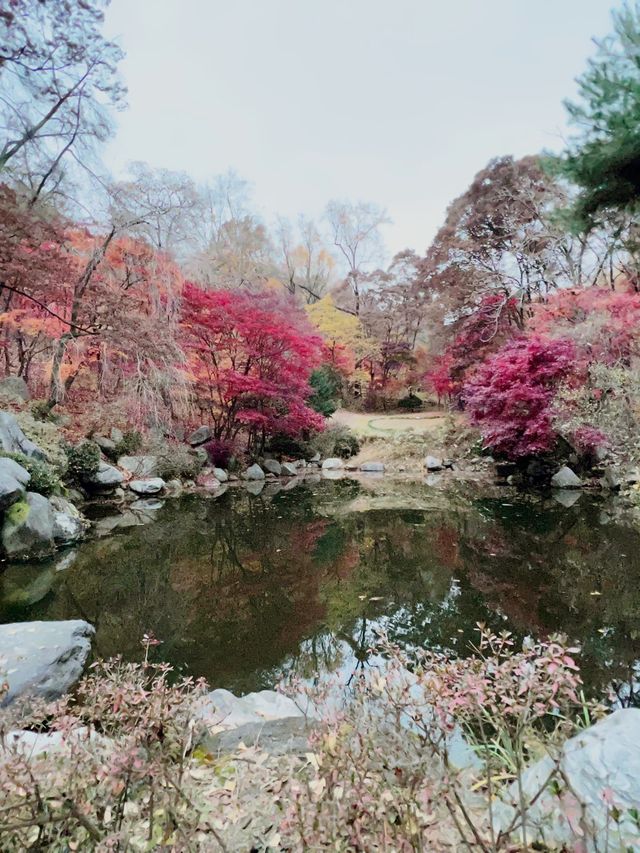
{"x":242,"y":589}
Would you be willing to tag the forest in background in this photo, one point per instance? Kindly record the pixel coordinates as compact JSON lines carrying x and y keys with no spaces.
{"x":153,"y":301}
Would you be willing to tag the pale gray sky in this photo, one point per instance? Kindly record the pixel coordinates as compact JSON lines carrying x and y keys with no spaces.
{"x":394,"y":101}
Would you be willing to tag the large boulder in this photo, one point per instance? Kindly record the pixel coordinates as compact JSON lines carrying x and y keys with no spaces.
{"x":200,"y":436}
{"x":565,"y":478}
{"x":14,"y":387}
{"x":272,"y":466}
{"x":139,"y":466}
{"x":13,"y":481}
{"x":107,"y":445}
{"x":220,"y":474}
{"x":13,"y":439}
{"x":150,"y":486}
{"x":106,"y":478}
{"x":69,"y":524}
{"x":433,"y":463}
{"x":333,"y":464}
{"x":28,"y":528}
{"x":253,"y":472}
{"x":43,"y":659}
{"x":596,"y":787}
{"x":372,"y":467}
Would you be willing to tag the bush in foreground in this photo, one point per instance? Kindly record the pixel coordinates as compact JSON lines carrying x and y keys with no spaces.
{"x":380,"y":772}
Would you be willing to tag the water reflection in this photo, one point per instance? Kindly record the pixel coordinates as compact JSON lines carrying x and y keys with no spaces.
{"x":244,"y":588}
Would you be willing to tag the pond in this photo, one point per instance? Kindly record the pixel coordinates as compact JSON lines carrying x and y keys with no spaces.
{"x":243,"y":589}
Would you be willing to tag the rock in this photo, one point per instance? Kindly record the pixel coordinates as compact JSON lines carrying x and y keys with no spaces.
{"x":66,"y":561}
{"x":28,"y":529}
{"x":566,"y":479}
{"x":69,"y":524}
{"x":272,"y":488}
{"x":207,"y":480}
{"x":333,"y":464}
{"x":433,"y":463}
{"x":220,"y":474}
{"x":13,"y":439}
{"x":300,"y":463}
{"x":599,"y":773}
{"x":139,"y":466}
{"x":272,"y":466}
{"x":202,"y":434}
{"x":222,"y":708}
{"x":14,"y":387}
{"x":174,"y":487}
{"x":254,"y":487}
{"x":287,"y":736}
{"x":288,"y":469}
{"x":448,"y":463}
{"x":253,"y":472}
{"x":13,"y":469}
{"x":116,"y":435}
{"x":151,"y":486}
{"x":315,"y":458}
{"x":374,"y":467}
{"x":147,"y":505}
{"x":611,"y":479}
{"x":32,"y":744}
{"x":10,"y":490}
{"x":44,"y":659}
{"x":632,"y":477}
{"x":107,"y":477}
{"x":333,"y":473}
{"x":107,"y":445}
{"x":566,"y":497}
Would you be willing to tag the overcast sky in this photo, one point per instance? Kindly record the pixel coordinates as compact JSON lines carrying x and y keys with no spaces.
{"x":394,"y":101}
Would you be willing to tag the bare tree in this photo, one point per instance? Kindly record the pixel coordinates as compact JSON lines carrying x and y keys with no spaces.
{"x":58,"y":78}
{"x":355,"y":230}
{"x":307,"y":264}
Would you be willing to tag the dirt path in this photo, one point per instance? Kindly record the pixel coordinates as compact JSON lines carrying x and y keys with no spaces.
{"x":386,"y":425}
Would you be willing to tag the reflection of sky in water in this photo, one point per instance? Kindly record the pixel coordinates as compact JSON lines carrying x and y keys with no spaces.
{"x":245,"y":589}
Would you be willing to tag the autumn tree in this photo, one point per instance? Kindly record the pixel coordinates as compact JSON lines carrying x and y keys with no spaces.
{"x":59,"y":78}
{"x":250,"y":356}
{"x":306,"y":263}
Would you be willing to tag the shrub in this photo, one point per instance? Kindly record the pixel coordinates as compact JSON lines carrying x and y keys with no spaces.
{"x":175,"y":460}
{"x":326,"y":383}
{"x":219,"y":452}
{"x":44,"y":477}
{"x":411,"y":402}
{"x":130,"y":442}
{"x":83,"y":460}
{"x":337,"y":440}
{"x":286,"y":445}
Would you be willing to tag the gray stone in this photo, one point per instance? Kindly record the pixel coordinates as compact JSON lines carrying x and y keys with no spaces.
{"x":254,"y":487}
{"x":600,"y":768}
{"x":221,"y":708}
{"x":315,"y":458}
{"x":10,"y":490}
{"x":151,"y":486}
{"x":14,"y":387}
{"x":220,"y":474}
{"x":66,"y":561}
{"x":199,"y":436}
{"x":116,"y":435}
{"x":44,"y":659}
{"x":253,"y":472}
{"x":32,"y":744}
{"x":272,"y":466}
{"x":333,"y":473}
{"x":566,"y":497}
{"x":69,"y":525}
{"x":433,"y":463}
{"x":287,"y":736}
{"x":13,"y":469}
{"x":13,"y":439}
{"x":611,"y":479}
{"x":373,"y":467}
{"x":333,"y":464}
{"x":565,"y":478}
{"x":106,"y":477}
{"x":139,"y":466}
{"x":105,"y":444}
{"x":207,"y":480}
{"x":28,"y":529}
{"x":288,"y":469}
{"x":632,"y":477}
{"x":147,"y":505}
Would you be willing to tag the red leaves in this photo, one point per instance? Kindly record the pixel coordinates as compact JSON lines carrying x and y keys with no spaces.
{"x":250,"y":356}
{"x":511,"y":394}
